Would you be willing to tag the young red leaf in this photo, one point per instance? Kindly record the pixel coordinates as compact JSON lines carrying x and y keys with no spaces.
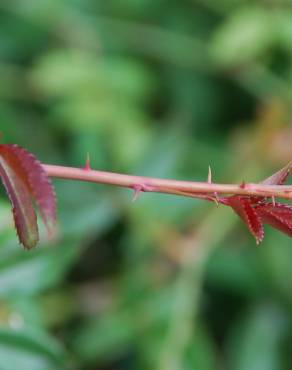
{"x":255,"y":211}
{"x":25,"y":180}
{"x":40,"y":186}
{"x":278,"y":216}
{"x":242,"y":206}
{"x":19,"y":195}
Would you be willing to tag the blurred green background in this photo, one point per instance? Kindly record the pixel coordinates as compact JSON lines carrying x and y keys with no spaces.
{"x":155,"y":88}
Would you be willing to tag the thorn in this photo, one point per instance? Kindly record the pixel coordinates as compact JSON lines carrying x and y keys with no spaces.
{"x":242,"y":185}
{"x":209,"y":178}
{"x":273,"y":200}
{"x":216,"y":199}
{"x":259,"y":240}
{"x":87,"y":166}
{"x":137,"y":190}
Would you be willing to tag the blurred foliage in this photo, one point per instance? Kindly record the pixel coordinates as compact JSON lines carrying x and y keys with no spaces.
{"x":161,"y":89}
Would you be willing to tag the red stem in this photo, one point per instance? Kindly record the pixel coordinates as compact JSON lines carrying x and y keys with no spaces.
{"x":203,"y":190}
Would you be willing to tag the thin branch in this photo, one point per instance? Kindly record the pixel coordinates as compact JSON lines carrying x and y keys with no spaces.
{"x":205,"y":190}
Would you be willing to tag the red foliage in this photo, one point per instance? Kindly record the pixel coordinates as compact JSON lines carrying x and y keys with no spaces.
{"x":255,"y":211}
{"x":26,"y":181}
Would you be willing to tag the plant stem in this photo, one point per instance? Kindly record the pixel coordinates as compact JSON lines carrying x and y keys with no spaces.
{"x":204,"y":190}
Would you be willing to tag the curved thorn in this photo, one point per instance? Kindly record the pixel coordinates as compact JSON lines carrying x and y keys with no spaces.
{"x":137,"y":190}
{"x":209,"y":178}
{"x":87,"y":166}
{"x":216,"y":199}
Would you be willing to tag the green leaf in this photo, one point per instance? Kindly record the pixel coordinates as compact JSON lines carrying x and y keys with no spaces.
{"x":256,"y":339}
{"x":247,"y":34}
{"x":113,"y":333}
{"x":29,"y":349}
{"x":26,"y":274}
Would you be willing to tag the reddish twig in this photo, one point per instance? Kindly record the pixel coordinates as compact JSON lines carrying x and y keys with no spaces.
{"x":205,"y":190}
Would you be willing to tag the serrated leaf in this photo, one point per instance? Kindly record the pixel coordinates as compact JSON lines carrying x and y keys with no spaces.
{"x":40,"y":186}
{"x":278,"y":216}
{"x":255,"y":211}
{"x":243,"y":208}
{"x":19,"y":195}
{"x":25,"y":180}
